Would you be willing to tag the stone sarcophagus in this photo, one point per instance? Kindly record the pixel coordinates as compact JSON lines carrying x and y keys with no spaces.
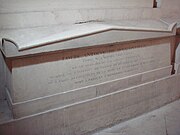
{"x":88,"y":76}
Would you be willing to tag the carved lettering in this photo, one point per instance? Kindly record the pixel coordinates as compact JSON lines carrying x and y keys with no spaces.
{"x":103,"y":67}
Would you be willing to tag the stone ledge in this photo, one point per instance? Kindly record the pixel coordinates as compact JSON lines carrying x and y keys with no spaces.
{"x":21,"y":109}
{"x":90,"y":115}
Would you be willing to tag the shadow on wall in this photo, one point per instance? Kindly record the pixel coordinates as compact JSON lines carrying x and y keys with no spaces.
{"x":2,"y":77}
{"x":178,"y":54}
{"x":177,"y":60}
{"x":157,"y":4}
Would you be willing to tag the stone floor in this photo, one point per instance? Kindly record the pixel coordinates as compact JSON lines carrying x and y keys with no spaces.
{"x":5,"y":113}
{"x":163,"y":121}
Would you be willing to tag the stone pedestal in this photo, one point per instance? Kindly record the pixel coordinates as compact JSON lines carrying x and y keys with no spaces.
{"x":65,"y":88}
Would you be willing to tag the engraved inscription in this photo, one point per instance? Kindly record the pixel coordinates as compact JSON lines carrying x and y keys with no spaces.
{"x":95,"y":69}
{"x":70,"y":74}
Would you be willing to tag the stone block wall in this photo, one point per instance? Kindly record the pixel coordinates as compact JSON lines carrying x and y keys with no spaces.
{"x":21,"y":14}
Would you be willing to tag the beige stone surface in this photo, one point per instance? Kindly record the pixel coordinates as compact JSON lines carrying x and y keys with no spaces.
{"x":171,"y":20}
{"x":177,"y":68}
{"x":2,"y":77}
{"x":44,"y":5}
{"x":5,"y":112}
{"x":42,"y":104}
{"x":55,"y":12}
{"x":45,"y":79}
{"x":52,"y":23}
{"x":162,"y":121}
{"x":177,"y":58}
{"x":170,"y":9}
{"x":126,"y":82}
{"x":109,"y":37}
{"x":101,"y":112}
{"x":78,"y":112}
{"x":52,"y":101}
{"x":46,"y":35}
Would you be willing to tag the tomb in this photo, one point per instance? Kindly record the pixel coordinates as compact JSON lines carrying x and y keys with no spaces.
{"x":76,"y":78}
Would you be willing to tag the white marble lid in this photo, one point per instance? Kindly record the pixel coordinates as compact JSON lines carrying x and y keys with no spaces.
{"x":28,"y":38}
{"x":171,"y":20}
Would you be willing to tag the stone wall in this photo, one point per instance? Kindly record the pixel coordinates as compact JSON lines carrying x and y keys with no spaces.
{"x":21,"y":14}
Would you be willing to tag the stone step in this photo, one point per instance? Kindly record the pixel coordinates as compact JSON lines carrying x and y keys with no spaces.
{"x":41,"y":104}
{"x":162,"y":121}
{"x":94,"y":114}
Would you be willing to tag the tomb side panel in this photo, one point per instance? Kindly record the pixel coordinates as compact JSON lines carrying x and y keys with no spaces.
{"x":39,"y":80}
